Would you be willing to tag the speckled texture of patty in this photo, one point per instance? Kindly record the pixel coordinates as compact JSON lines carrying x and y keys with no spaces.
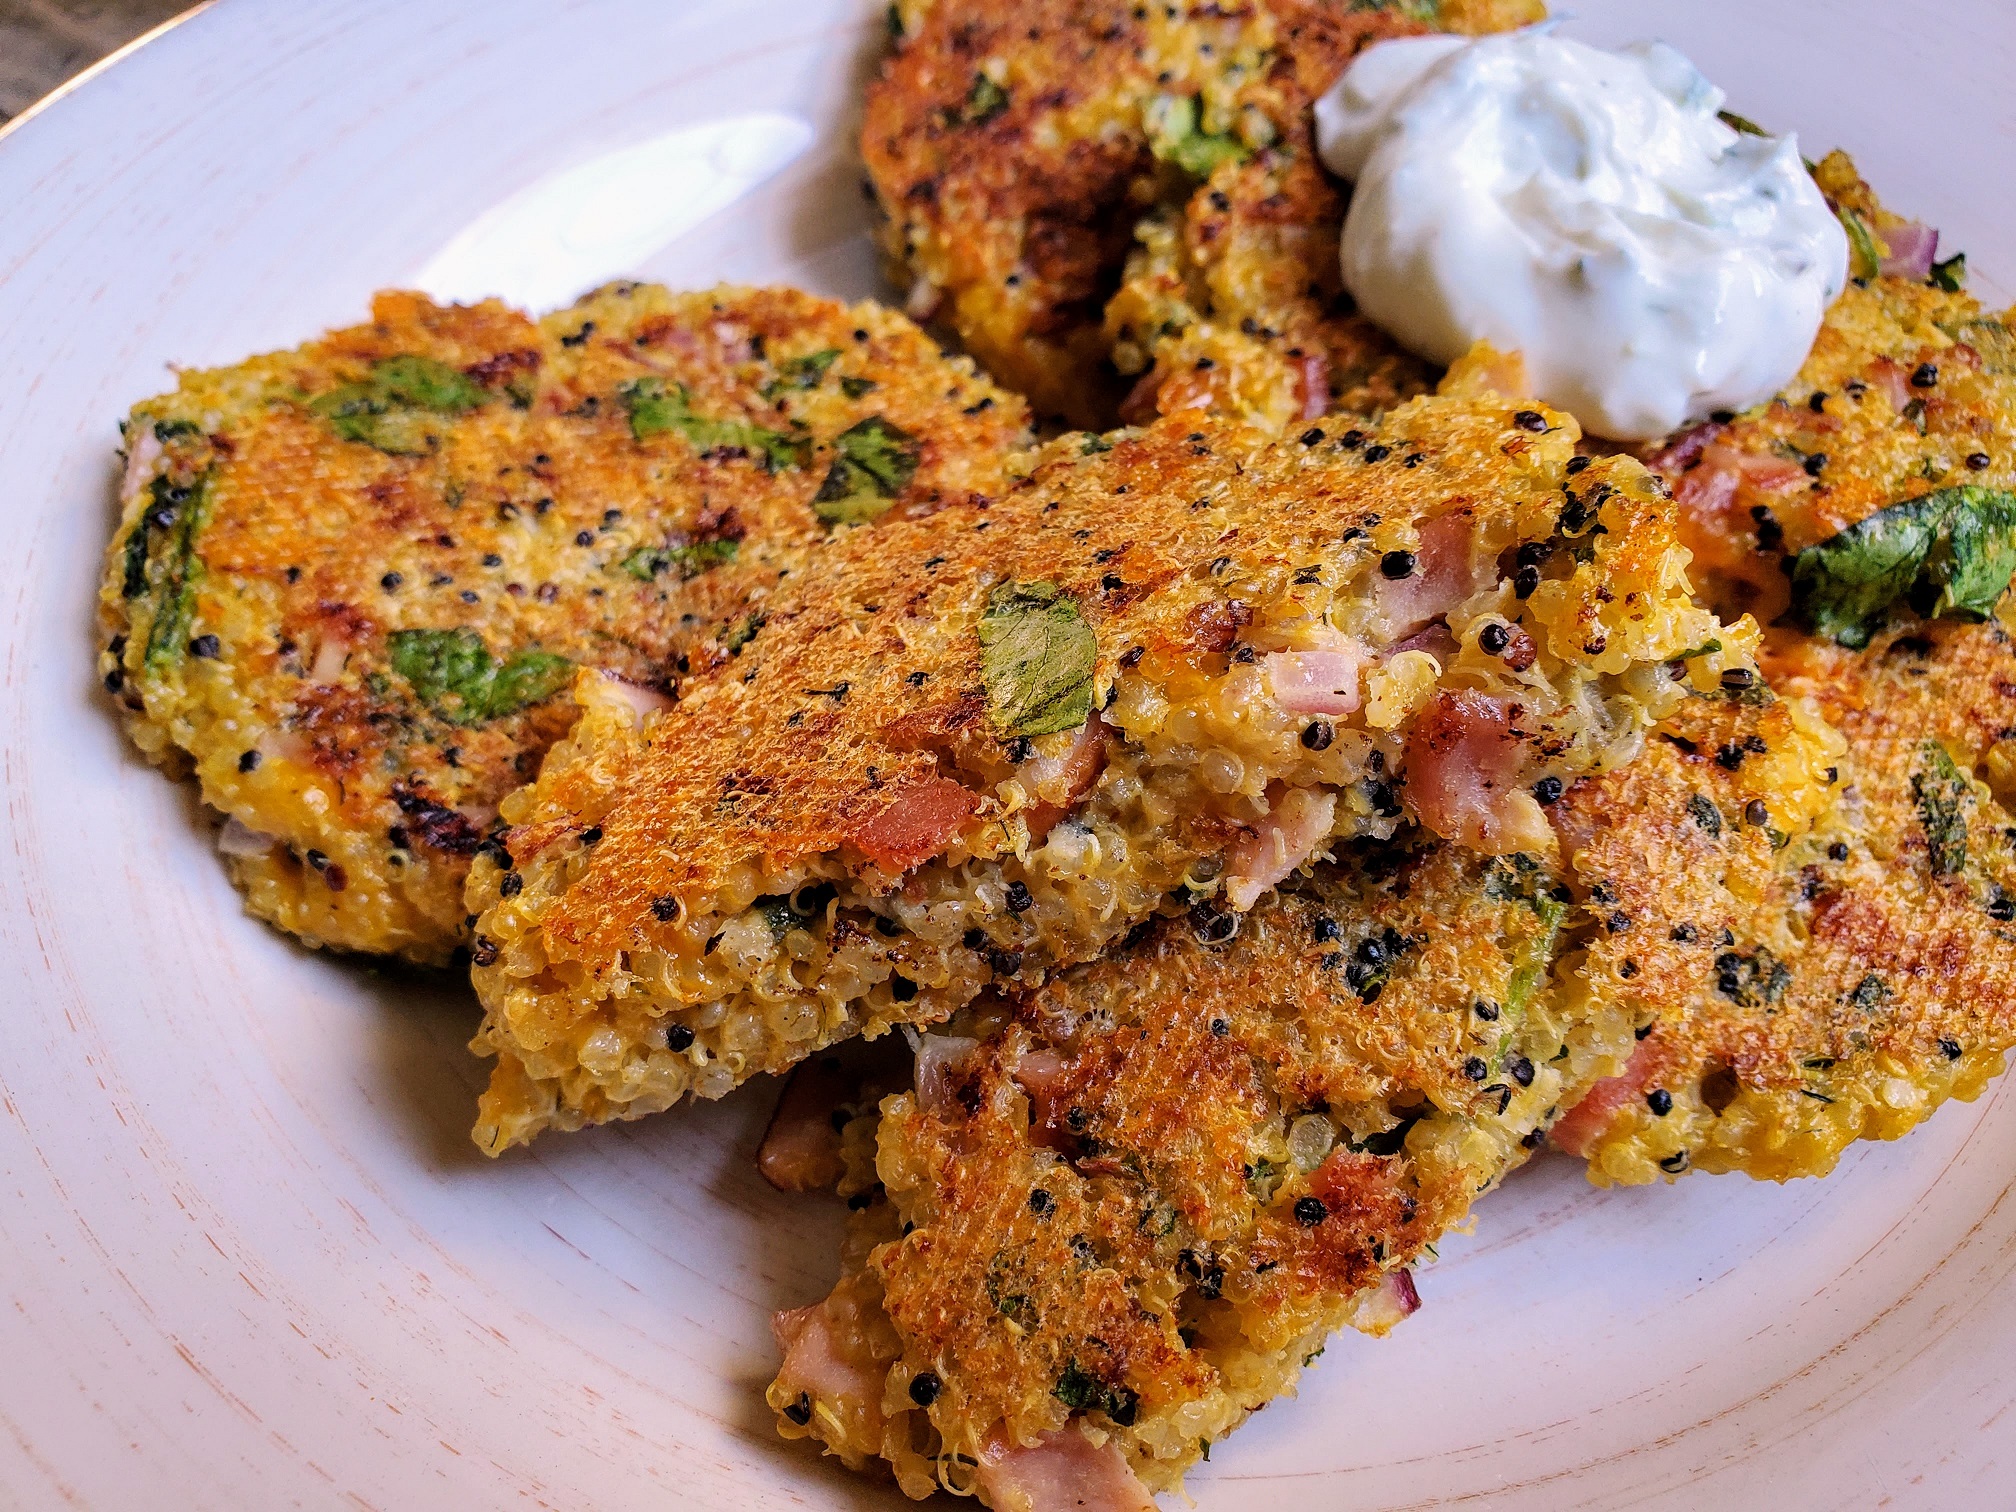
{"x":1867,"y":971}
{"x":351,"y":582}
{"x":847,"y":827}
{"x":1137,"y":1201}
{"x":1016,"y":150}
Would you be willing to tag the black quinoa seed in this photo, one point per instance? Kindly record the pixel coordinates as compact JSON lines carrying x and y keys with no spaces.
{"x":248,"y":761}
{"x":1004,"y":962}
{"x":1310,"y":1211}
{"x":800,"y":1411}
{"x":1475,"y":1069}
{"x":1521,"y":1069}
{"x":1738,"y":678}
{"x":665,"y":908}
{"x":206,"y":646}
{"x":584,"y":538}
{"x":1019,"y":900}
{"x":2002,"y":910}
{"x":1547,"y":790}
{"x":1978,"y":461}
{"x":1486,"y":1011}
{"x":512,"y":884}
{"x":924,"y":1388}
{"x":1494,"y":638}
{"x":483,"y":952}
{"x":1576,"y":464}
{"x":1838,"y":851}
{"x":1397,"y":564}
{"x":1313,"y":435}
{"x":1530,"y":420}
{"x":1041,"y":1203}
{"x":1675,"y":1163}
{"x":1660,"y":1102}
{"x":1525,"y":581}
{"x":678,"y":1037}
{"x":1950,"y":1049}
{"x":1755,"y":814}
{"x":391,"y":580}
{"x":1925,"y":375}
{"x":591,"y":835}
{"x":1317,"y":734}
{"x":1816,"y":464}
{"x":1378,"y":453}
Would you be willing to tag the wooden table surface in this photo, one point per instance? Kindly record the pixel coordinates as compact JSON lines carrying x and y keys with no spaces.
{"x":44,"y":42}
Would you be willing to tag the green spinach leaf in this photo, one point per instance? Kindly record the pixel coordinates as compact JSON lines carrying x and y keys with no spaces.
{"x":395,"y":409}
{"x":800,"y":372}
{"x":1942,"y":796}
{"x":876,"y":461}
{"x":655,"y":409}
{"x":1174,"y":136}
{"x":1037,"y":656}
{"x":688,"y":561}
{"x":1953,"y":550}
{"x":180,"y":515}
{"x":453,"y":673}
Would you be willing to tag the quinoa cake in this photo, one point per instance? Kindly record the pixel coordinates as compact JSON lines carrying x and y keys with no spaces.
{"x":1847,"y":984}
{"x":351,"y":583}
{"x":1122,"y":1212}
{"x":1796,"y":994}
{"x":1162,"y":673}
{"x":1015,"y":151}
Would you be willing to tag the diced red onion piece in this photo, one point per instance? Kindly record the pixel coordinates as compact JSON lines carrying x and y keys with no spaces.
{"x":1913,"y":247}
{"x":939,"y":1057}
{"x":238,"y":839}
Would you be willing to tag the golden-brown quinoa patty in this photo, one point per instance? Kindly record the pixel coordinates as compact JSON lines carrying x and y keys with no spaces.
{"x":900,"y":792}
{"x":1136,"y":1201}
{"x":351,"y":582}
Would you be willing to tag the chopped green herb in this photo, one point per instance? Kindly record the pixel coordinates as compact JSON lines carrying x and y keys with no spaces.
{"x":689,"y":561}
{"x":1865,"y":261}
{"x":395,"y":409}
{"x":181,"y":569}
{"x":1536,"y":956}
{"x":1706,"y":648}
{"x":1953,"y":550}
{"x":1753,"y":980}
{"x":855,"y":388}
{"x":1869,"y":994}
{"x":1742,"y":124}
{"x":1081,"y":1391}
{"x":176,"y":430}
{"x":654,"y":409}
{"x":1091,"y":445}
{"x":801,"y":372}
{"x":1174,"y":136}
{"x":876,"y":461}
{"x":453,"y":673}
{"x":984,"y":101}
{"x":1942,"y":795}
{"x":1950,"y":274}
{"x":743,"y":632}
{"x":1036,"y":658}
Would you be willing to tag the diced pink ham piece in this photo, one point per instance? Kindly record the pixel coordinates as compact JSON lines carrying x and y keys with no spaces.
{"x":919,"y":824}
{"x":1290,"y":835}
{"x":939,"y":1057}
{"x":1893,"y":379}
{"x":1577,"y":1130}
{"x":1058,"y":782}
{"x":1462,"y":764}
{"x":801,"y":1148}
{"x":1444,"y":575}
{"x":1317,"y":682}
{"x":813,"y":1363}
{"x":1061,"y":1472}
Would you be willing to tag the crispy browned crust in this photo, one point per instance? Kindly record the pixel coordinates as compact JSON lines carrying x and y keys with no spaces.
{"x":1011,"y":151}
{"x":1840,"y":988}
{"x":1132,"y":1233}
{"x":861,"y":694}
{"x":512,"y":521}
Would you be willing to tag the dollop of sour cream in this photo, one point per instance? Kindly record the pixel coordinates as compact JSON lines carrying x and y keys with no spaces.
{"x":1587,"y":209}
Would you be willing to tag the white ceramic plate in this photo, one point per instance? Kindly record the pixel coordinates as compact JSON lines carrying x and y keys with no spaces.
{"x":249,"y":1258}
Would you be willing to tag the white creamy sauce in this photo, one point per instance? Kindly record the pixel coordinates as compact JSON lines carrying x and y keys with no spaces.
{"x":1586,"y":209}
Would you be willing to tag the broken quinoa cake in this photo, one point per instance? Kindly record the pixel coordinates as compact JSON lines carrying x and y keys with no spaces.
{"x":351,"y":583}
{"x":1164,"y":672}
